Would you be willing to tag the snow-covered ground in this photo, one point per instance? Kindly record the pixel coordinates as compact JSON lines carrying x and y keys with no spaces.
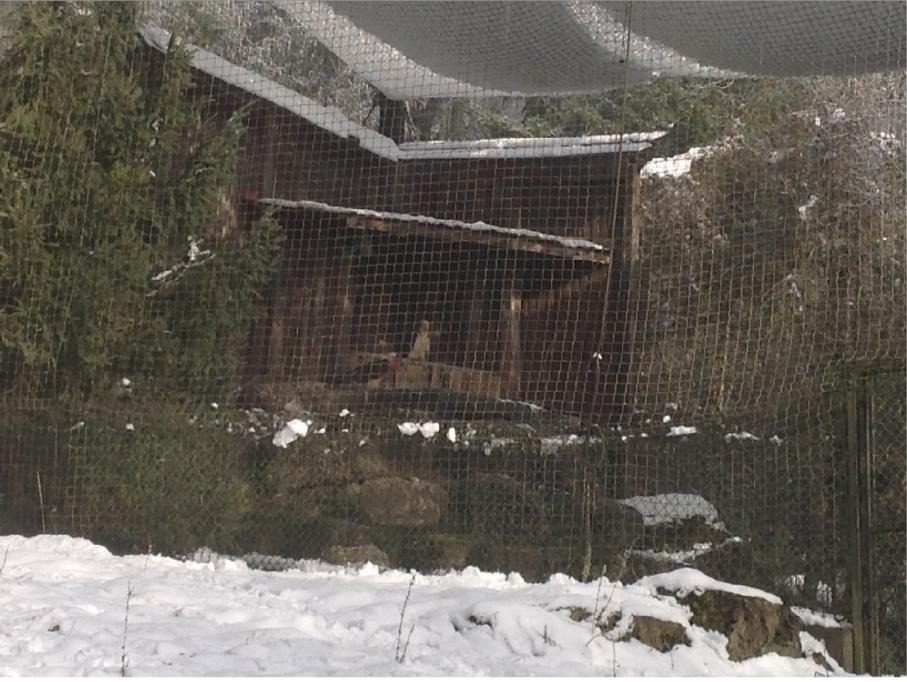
{"x":63,"y":611}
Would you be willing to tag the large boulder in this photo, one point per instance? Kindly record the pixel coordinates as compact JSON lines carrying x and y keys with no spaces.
{"x":406,"y":502}
{"x":318,"y":462}
{"x":502,"y":505}
{"x":618,"y":526}
{"x":423,"y":549}
{"x":678,"y":522}
{"x":355,"y":555}
{"x":659,"y":634}
{"x":534,"y":564}
{"x":754,"y":626}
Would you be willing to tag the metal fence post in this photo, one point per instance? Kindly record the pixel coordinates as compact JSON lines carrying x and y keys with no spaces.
{"x":859,"y":447}
{"x":855,"y":563}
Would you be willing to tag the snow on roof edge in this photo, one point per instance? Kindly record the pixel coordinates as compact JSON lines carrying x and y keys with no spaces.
{"x":532,"y":147}
{"x":335,"y":121}
{"x":330,"y":119}
{"x":519,"y":232}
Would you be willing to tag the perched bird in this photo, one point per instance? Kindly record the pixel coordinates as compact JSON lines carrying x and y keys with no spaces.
{"x":421,"y":342}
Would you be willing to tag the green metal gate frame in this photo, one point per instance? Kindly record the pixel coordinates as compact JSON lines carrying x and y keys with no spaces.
{"x":865,"y":401}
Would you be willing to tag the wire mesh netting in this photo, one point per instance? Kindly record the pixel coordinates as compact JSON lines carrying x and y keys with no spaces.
{"x":887,"y":592}
{"x":547,"y":287}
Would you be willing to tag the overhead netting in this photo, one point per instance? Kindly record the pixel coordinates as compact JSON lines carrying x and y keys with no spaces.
{"x":580,"y":287}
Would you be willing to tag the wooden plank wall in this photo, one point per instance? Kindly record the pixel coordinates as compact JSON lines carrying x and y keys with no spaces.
{"x":561,"y":330}
{"x":309,"y":307}
{"x":562,"y":196}
{"x":609,"y":394}
{"x":340,"y":291}
{"x":289,"y":158}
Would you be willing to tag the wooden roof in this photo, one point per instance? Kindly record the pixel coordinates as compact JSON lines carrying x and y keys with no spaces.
{"x":334,"y":121}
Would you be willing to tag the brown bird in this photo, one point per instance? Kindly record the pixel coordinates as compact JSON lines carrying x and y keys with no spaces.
{"x":421,"y":342}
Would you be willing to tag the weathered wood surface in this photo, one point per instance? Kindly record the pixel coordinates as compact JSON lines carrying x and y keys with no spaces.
{"x":433,"y":376}
{"x":511,"y":312}
{"x":441,"y":232}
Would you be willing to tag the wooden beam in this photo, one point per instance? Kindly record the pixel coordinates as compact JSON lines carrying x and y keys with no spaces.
{"x":492,"y":239}
{"x":632,"y":193}
{"x":476,"y":341}
{"x":343,"y":307}
{"x":511,"y":312}
{"x":414,"y":375}
{"x":268,"y":177}
{"x":276,"y":339}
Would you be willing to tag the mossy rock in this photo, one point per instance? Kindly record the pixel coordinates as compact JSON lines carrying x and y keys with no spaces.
{"x":638,"y":566}
{"x":534,"y":564}
{"x":579,"y":614}
{"x":615,"y":526}
{"x":355,"y":555}
{"x":308,"y":504}
{"x":328,"y":459}
{"x":502,"y":505}
{"x":731,"y":562}
{"x":659,"y":634}
{"x":683,"y":535}
{"x":404,"y":502}
{"x":450,"y":551}
{"x":423,"y":549}
{"x":285,"y":535}
{"x":753,"y":626}
{"x":838,"y":642}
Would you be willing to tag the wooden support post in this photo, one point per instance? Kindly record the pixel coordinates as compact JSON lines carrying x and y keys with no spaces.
{"x":268,"y":176}
{"x":623,"y":324}
{"x":855,"y":568}
{"x":867,"y":542}
{"x":610,"y":390}
{"x":343,"y":311}
{"x":276,"y":362}
{"x":476,"y":342}
{"x":511,"y":311}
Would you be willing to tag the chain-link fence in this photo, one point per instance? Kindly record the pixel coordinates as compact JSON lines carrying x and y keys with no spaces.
{"x":548,"y":289}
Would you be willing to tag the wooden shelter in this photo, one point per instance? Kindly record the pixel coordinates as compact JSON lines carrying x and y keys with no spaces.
{"x":513,"y":255}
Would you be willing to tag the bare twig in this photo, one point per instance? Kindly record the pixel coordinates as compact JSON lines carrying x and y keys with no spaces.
{"x":409,"y":636}
{"x":41,"y":502}
{"x":598,"y":615}
{"x":598,"y":591}
{"x":597,"y":618}
{"x":5,"y":556}
{"x":588,"y":512}
{"x":613,"y":658}
{"x":124,"y":662}
{"x":400,"y":654}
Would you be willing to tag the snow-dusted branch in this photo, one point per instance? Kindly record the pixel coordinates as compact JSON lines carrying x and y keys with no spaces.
{"x":195,"y":257}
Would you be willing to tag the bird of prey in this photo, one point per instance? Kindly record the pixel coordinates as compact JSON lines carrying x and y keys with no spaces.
{"x":421,"y":342}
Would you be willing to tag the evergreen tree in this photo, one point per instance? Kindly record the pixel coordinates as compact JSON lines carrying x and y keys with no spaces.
{"x":110,"y":178}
